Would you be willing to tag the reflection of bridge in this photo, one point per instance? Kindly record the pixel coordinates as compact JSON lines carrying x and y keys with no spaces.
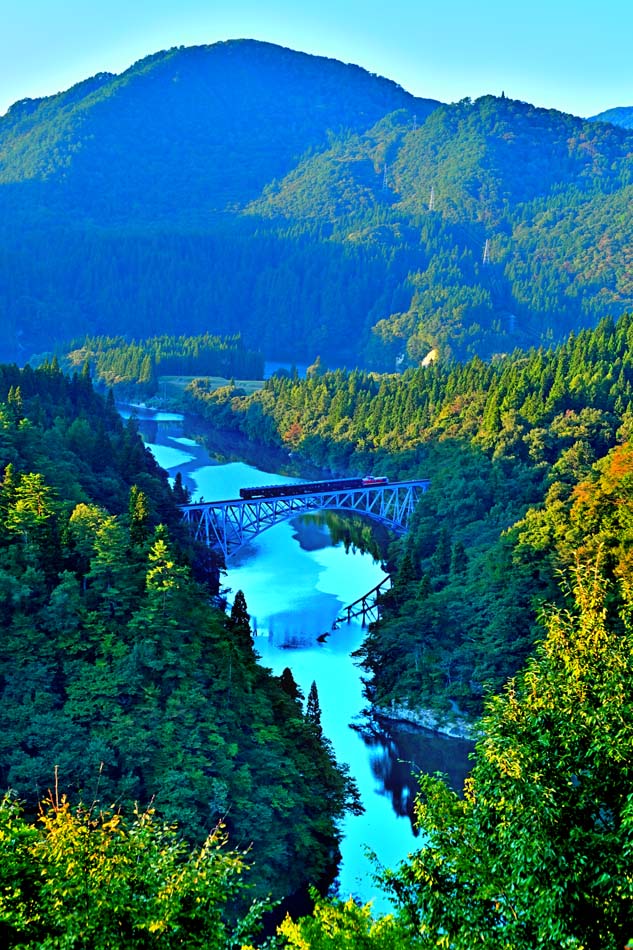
{"x":230,"y":524}
{"x":367,"y":606}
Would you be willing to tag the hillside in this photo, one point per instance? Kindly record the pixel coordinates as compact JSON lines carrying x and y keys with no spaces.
{"x":310,"y":206}
{"x":189,"y":131}
{"x":473,"y":570}
{"x":120,"y":195}
{"x":116,"y":673}
{"x":620,"y":115}
{"x":549,"y":192}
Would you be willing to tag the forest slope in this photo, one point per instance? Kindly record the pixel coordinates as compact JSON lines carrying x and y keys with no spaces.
{"x":495,"y":439}
{"x":310,"y":206}
{"x":116,"y":672}
{"x":620,"y":115}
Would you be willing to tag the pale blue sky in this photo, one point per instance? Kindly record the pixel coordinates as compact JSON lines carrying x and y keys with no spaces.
{"x":574,"y":56}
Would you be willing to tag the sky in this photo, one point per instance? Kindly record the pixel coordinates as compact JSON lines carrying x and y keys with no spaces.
{"x":572,"y":56}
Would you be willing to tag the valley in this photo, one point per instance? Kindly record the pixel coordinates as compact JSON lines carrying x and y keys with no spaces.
{"x":334,"y":279}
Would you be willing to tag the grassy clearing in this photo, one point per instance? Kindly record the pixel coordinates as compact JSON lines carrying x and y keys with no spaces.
{"x":175,"y":385}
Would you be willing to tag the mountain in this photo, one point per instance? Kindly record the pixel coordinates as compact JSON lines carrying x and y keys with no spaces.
{"x":516,"y":218}
{"x":119,"y":197}
{"x":621,"y":115}
{"x":190,"y":131}
{"x":309,"y":205}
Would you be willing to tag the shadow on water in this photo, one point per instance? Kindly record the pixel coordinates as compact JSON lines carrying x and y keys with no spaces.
{"x":399,"y":752}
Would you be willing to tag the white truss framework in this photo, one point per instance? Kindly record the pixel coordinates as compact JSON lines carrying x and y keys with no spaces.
{"x":230,"y":524}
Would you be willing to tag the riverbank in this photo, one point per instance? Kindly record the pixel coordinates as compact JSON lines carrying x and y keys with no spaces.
{"x":296,"y":578}
{"x":234,"y":445}
{"x":455,"y":727}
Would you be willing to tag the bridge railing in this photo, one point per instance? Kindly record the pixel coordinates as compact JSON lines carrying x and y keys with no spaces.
{"x":229,"y":524}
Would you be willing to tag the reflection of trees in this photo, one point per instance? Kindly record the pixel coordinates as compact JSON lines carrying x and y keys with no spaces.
{"x":398,"y":753}
{"x":395,"y":775}
{"x":355,"y":532}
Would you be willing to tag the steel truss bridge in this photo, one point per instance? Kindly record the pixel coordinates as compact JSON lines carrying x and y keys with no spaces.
{"x":228,"y":525}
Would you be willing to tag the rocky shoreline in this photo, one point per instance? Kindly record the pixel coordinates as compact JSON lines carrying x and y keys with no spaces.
{"x":456,"y":725}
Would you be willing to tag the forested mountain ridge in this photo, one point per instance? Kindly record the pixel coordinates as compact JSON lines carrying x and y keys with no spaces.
{"x":516,"y":220}
{"x":120,"y":198}
{"x":481,"y":159}
{"x":310,"y":206}
{"x":189,"y":130}
{"x":620,"y":115}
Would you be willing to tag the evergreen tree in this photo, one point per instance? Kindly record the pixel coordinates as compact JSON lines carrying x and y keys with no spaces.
{"x":139,"y":515}
{"x":181,"y":494}
{"x":289,"y":685}
{"x":313,"y":708}
{"x":240,"y":621}
{"x":459,"y":558}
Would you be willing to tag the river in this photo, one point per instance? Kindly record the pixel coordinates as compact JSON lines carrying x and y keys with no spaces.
{"x":296,"y":580}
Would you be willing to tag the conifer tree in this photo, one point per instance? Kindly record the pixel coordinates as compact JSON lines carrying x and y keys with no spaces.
{"x":289,"y":685}
{"x":138,"y":510}
{"x":240,"y":620}
{"x":313,"y":708}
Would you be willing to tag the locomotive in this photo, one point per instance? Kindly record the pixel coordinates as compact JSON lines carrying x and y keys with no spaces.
{"x":310,"y":488}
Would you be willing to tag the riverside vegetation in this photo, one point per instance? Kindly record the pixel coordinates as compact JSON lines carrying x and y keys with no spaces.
{"x":352,"y":225}
{"x":516,"y":570}
{"x":533,"y":517}
{"x":494,"y":438}
{"x":115,"y":669}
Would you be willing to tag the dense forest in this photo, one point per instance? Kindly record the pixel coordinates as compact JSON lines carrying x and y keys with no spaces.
{"x":97,"y":607}
{"x":116,"y":670}
{"x":621,"y":115}
{"x":537,"y":851}
{"x":516,"y":571}
{"x":131,"y":368}
{"x":494,"y":438}
{"x":309,"y":206}
{"x":209,"y":208}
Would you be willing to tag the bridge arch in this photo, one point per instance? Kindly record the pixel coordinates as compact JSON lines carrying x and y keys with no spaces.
{"x":229,"y":524}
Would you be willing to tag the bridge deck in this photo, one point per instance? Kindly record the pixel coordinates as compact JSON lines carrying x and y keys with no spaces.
{"x":230,"y":523}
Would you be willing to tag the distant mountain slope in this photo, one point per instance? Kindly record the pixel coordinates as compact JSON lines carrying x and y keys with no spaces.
{"x":192,"y":130}
{"x":621,"y":115}
{"x":480,"y":160}
{"x":310,"y":206}
{"x":543,"y":194}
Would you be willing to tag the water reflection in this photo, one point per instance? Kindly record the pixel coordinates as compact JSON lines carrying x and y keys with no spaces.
{"x":296,"y":580}
{"x":394,"y":775}
{"x":399,"y":752}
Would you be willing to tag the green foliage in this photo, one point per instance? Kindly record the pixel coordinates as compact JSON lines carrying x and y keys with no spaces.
{"x":132,"y":368}
{"x":180,"y":144}
{"x":94,"y":878}
{"x":352,"y":222}
{"x":313,"y":708}
{"x":336,"y":923}
{"x":494,"y":438}
{"x":114,"y":664}
{"x":538,"y":852}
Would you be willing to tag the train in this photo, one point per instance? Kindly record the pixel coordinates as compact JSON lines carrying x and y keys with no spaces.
{"x":310,"y":488}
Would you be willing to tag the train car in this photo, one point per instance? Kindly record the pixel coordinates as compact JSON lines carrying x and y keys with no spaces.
{"x":302,"y":488}
{"x":370,"y":480}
